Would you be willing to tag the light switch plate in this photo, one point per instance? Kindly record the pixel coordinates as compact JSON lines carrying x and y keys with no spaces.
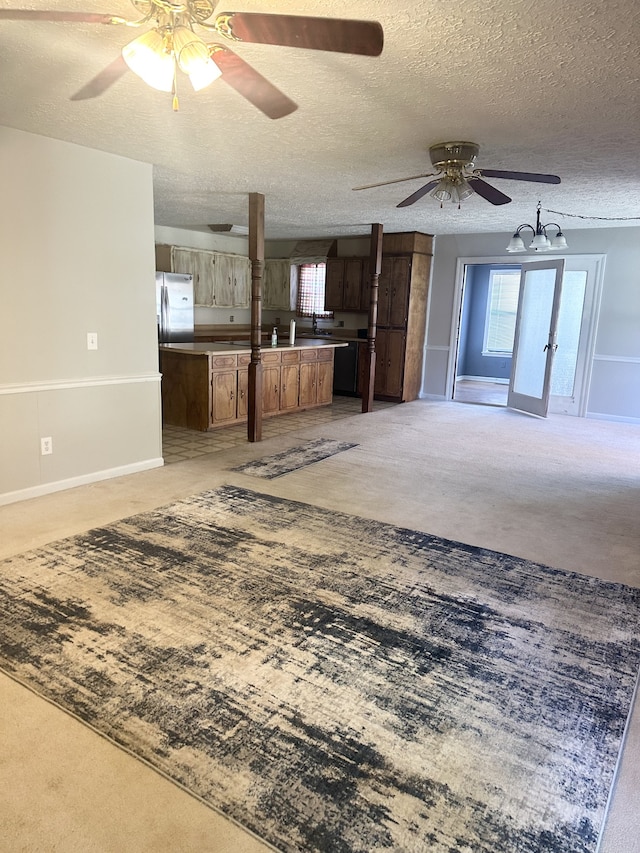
{"x":92,"y":340}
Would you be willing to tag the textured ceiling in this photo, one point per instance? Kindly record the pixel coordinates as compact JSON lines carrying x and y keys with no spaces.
{"x":541,"y":86}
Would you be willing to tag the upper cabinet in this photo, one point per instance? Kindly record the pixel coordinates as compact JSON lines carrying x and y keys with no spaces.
{"x":219,"y":280}
{"x":276,"y":285}
{"x":343,"y":289}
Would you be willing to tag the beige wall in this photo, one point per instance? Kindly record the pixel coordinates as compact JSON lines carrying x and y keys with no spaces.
{"x":615,"y":371}
{"x":78,"y":257}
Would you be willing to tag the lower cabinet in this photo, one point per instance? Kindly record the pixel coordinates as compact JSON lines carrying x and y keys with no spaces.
{"x":390,"y":347}
{"x":206,"y":391}
{"x":316,"y":377}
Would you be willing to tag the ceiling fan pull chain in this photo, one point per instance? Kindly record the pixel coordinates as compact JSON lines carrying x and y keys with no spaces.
{"x":176,"y":103}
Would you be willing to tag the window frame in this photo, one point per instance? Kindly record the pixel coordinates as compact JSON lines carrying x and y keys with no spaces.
{"x":486,"y":350}
{"x":318,"y":299}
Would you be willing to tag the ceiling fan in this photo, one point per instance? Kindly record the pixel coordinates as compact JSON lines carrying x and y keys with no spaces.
{"x":173,"y":42}
{"x":457,"y":177}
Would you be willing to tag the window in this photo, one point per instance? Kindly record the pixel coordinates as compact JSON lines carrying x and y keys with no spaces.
{"x":502,"y":307}
{"x":310,"y":299}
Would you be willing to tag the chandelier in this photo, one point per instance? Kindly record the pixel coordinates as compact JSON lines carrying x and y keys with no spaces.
{"x":541,"y":242}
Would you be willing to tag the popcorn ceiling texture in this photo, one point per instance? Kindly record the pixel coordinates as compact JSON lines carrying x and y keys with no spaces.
{"x":541,"y":86}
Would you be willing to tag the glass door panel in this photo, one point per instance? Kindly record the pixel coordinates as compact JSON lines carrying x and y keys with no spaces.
{"x":535,"y":337}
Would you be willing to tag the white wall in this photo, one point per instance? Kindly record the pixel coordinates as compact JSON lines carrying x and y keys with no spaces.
{"x":78,"y":257}
{"x":615,"y":382}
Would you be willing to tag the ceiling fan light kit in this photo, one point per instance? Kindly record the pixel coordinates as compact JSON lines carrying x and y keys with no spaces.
{"x":540,"y":242}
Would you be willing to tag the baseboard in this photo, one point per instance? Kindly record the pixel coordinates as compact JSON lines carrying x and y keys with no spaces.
{"x":599,"y":416}
{"x":83,"y":480}
{"x":495,"y":379}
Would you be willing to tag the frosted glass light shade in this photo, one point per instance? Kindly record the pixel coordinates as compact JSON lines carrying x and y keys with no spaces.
{"x":559,"y":241}
{"x":192,"y":55}
{"x":147,"y":57}
{"x":443,"y":192}
{"x":540,"y":243}
{"x":516,"y":244}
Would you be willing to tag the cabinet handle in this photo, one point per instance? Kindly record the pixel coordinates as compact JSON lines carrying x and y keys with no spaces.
{"x":231,"y":397}
{"x":389,"y":363}
{"x":275,"y":388}
{"x":242,"y":395}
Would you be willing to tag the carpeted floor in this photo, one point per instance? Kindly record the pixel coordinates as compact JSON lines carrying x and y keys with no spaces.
{"x":335,"y":683}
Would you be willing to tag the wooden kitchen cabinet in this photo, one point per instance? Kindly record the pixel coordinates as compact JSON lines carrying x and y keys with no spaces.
{"x":206,"y":390}
{"x":343,"y":284}
{"x":403,"y":288}
{"x":316,"y":377}
{"x":390,"y":347}
{"x":276,"y":285}
{"x":219,"y":280}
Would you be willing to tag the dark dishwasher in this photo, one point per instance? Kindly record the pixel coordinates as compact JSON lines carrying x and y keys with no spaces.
{"x":345,"y":370}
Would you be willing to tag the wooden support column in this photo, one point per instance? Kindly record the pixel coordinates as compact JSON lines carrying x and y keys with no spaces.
{"x":256,"y":256}
{"x":375,"y":265}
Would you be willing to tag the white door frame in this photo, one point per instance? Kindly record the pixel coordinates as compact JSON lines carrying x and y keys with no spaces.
{"x":591,"y":313}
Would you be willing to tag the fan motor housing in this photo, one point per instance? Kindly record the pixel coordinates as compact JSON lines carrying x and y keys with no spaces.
{"x":457,"y":154}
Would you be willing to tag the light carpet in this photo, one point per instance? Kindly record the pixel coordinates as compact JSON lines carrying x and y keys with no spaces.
{"x":269,"y":467}
{"x":335,"y":683}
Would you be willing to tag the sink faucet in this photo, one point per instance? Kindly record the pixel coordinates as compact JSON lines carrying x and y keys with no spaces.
{"x":314,"y":325}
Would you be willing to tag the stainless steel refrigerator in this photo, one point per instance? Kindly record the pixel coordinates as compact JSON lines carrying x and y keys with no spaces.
{"x":174,"y":304}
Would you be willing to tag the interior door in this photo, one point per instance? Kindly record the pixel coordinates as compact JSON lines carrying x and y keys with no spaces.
{"x":535,"y":337}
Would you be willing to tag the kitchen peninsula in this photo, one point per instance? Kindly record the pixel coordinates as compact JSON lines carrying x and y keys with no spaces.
{"x":204,"y":385}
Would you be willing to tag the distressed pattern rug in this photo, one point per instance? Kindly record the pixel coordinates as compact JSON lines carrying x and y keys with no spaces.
{"x":296,"y":457}
{"x":334,"y":683}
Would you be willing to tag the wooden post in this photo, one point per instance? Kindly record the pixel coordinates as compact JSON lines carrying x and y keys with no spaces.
{"x":375,"y":264}
{"x":256,"y":256}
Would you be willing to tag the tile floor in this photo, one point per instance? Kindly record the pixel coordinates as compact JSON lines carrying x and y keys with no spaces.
{"x":179,"y":443}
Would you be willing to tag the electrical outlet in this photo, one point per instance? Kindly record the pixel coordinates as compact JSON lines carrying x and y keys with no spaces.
{"x":231,"y":318}
{"x":46,"y":446}
{"x":92,"y":340}
{"x":277,"y":321}
{"x":341,"y":324}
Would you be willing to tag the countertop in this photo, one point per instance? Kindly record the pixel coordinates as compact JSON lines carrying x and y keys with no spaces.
{"x":235,"y":347}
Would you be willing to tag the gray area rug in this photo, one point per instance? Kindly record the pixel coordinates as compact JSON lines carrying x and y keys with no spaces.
{"x":334,"y":683}
{"x":296,"y":457}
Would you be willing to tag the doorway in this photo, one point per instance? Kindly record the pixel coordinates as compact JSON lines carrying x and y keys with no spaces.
{"x":486,"y":297}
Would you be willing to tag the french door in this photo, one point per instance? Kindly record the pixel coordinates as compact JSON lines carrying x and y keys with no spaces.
{"x":535,"y":339}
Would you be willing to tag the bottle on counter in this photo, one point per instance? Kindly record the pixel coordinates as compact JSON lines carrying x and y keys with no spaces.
{"x":274,"y":337}
{"x":292,"y":332}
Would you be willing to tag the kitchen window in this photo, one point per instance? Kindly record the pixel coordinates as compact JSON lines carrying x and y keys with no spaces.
{"x":310,"y":298}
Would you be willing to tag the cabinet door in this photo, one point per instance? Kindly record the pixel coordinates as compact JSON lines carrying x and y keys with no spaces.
{"x":399,"y":291}
{"x":334,"y":285}
{"x":270,"y":389}
{"x":241,"y":275}
{"x":243,"y":391}
{"x":222,"y":280}
{"x":390,"y":346}
{"x":223,"y":396}
{"x":308,"y":383}
{"x":384,"y":291}
{"x":325,"y":382}
{"x":276,"y":291}
{"x":289,"y":381}
{"x":352,"y":284}
{"x":197,"y":264}
{"x":365,"y":285}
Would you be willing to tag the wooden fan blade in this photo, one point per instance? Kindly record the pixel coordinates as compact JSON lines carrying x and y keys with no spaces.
{"x":50,"y":15}
{"x":419,"y":193}
{"x":536,"y":177}
{"x":251,"y":84}
{"x":488,"y":192}
{"x":101,"y":82}
{"x":336,"y":34}
{"x":395,"y":181}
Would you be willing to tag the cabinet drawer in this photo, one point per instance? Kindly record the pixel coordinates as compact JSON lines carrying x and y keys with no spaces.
{"x":291,"y":356}
{"x":325,"y":354}
{"x":223,"y":361}
{"x":308,"y":355}
{"x":244,"y":359}
{"x":271,"y":357}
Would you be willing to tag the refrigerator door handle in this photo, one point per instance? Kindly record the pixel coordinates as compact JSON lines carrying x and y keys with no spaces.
{"x":165,"y":311}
